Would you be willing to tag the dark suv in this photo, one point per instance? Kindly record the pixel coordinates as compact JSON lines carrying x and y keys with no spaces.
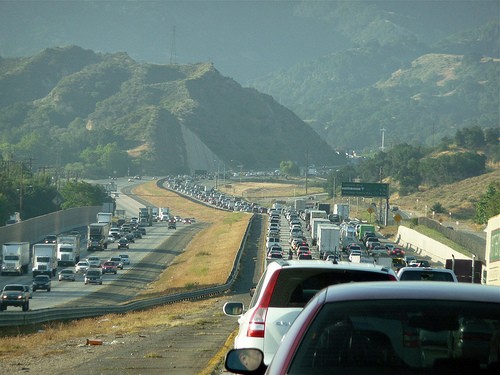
{"x":14,"y":295}
{"x":42,"y":282}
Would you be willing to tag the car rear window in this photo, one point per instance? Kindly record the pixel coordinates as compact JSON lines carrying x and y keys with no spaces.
{"x":396,"y":337}
{"x":296,"y":286}
{"x":426,"y":275}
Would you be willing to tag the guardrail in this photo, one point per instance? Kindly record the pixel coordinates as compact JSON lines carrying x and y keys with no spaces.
{"x":18,"y":318}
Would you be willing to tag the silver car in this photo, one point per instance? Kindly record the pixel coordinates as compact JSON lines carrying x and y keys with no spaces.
{"x":67,"y":274}
{"x":408,"y":327}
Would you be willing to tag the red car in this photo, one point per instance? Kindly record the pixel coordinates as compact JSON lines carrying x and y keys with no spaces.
{"x":110,"y":267}
{"x":396,"y":252}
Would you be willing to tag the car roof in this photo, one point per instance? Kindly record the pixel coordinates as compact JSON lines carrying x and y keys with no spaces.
{"x":328,"y":264}
{"x":431,"y":290}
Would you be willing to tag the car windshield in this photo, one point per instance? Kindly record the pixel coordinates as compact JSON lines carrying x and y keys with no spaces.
{"x":403,"y":336}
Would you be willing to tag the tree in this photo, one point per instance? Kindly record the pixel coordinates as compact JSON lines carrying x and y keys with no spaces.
{"x":488,"y":205}
{"x":289,"y":168}
{"x":81,"y":194}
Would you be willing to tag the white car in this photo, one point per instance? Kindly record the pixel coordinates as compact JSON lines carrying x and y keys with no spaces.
{"x":125,"y":259}
{"x":94,"y":261}
{"x":82,"y":266}
{"x":426,"y":274}
{"x":283,"y":291}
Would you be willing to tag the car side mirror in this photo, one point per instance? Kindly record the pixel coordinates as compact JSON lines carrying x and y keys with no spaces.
{"x":233,"y":308}
{"x":252,"y":291}
{"x":245,"y":361}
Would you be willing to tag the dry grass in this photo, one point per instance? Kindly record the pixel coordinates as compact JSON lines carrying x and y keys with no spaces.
{"x":256,"y":191}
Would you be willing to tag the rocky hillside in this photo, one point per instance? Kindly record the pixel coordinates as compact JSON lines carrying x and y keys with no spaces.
{"x":82,"y":111}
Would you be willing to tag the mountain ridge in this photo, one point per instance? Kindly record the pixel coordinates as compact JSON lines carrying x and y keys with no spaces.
{"x":149,"y":112}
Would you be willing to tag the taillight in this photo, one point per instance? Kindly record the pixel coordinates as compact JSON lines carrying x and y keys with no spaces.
{"x":257,"y":323}
{"x":411,"y":339}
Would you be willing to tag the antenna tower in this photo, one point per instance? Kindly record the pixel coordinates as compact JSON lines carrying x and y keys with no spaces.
{"x":173,"y":52}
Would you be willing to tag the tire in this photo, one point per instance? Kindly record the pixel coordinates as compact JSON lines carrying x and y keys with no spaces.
{"x":2,"y":308}
{"x":48,"y":290}
{"x":26,"y":306}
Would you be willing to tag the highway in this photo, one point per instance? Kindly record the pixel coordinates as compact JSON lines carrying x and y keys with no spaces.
{"x":143,"y":268}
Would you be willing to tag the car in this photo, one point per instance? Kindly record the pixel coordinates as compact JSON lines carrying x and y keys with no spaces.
{"x":82,"y":266}
{"x":186,"y":220}
{"x":118,"y":260}
{"x":93,"y":276}
{"x":51,"y":238}
{"x":354,"y":255}
{"x":172,"y":224}
{"x":384,"y":328}
{"x":398,"y":263}
{"x":283,"y":290}
{"x":111,"y":239}
{"x":125,"y":259}
{"x":14,"y":295}
{"x":42,"y":282}
{"x":130,"y":237}
{"x":396,"y":252}
{"x":67,"y":274}
{"x":94,"y":261}
{"x":123,"y":243}
{"x":137,"y":234}
{"x":142,"y":230}
{"x":426,"y":274}
{"x":410,"y":258}
{"x":419,"y":263}
{"x":110,"y":267}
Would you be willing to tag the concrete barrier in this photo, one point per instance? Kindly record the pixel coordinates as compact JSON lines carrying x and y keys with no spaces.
{"x":426,"y":246}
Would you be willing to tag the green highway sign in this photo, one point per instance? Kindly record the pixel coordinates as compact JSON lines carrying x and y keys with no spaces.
{"x":361,"y":189}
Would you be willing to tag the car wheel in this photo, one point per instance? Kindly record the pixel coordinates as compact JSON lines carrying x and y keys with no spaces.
{"x":48,"y":290}
{"x":26,"y":306}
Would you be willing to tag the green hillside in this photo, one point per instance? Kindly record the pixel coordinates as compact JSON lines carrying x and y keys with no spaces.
{"x":96,"y":114}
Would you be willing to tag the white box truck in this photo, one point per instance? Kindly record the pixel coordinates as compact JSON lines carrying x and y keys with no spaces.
{"x":314,"y":226}
{"x":68,"y":249}
{"x":16,"y":257}
{"x":44,"y":259}
{"x":164,"y":214}
{"x":104,"y":217}
{"x":342,"y":210}
{"x":328,"y":240}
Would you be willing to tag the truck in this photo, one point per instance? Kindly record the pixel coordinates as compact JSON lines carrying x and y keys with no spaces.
{"x":466,"y":270}
{"x":68,"y":249}
{"x":363,"y":228}
{"x":145,"y":216}
{"x":300,"y":204}
{"x":342,"y":210}
{"x":313,"y":214}
{"x":314,"y":227}
{"x":13,"y":218}
{"x":328,"y":239}
{"x":97,"y":236}
{"x":155,"y":213}
{"x":104,"y":217}
{"x":44,"y":259}
{"x":324,"y":207}
{"x":16,"y":257}
{"x":164,"y":214}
